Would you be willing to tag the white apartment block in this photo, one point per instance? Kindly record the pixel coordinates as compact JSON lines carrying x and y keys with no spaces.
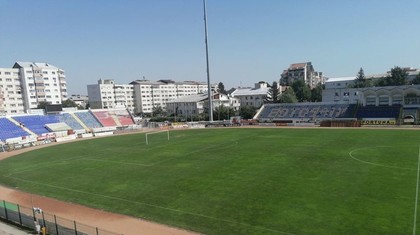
{"x":302,"y":71}
{"x":252,"y":96}
{"x":190,"y":105}
{"x":26,"y":84}
{"x":11,"y":99}
{"x":41,"y":82}
{"x":80,"y":100}
{"x":106,"y":94}
{"x":150,"y":94}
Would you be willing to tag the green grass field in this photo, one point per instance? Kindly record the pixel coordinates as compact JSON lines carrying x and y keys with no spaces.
{"x":238,"y":181}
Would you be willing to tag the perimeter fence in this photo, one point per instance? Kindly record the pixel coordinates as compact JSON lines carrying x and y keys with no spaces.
{"x":47,"y":223}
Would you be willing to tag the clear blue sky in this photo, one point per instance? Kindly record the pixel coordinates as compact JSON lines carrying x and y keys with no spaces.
{"x":249,"y":40}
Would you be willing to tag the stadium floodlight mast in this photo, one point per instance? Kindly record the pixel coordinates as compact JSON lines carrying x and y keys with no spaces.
{"x":207,"y":62}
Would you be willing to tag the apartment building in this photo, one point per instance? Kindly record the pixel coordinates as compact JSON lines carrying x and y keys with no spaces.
{"x":106,"y":94}
{"x":190,"y":105}
{"x":150,"y":94}
{"x":11,"y":98}
{"x":80,"y":100}
{"x":251,"y":96}
{"x":41,"y":82}
{"x":301,"y":71}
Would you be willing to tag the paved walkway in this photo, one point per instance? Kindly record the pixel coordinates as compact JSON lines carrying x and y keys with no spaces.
{"x":6,"y":229}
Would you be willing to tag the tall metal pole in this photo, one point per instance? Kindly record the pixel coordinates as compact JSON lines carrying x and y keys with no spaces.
{"x":208,"y":71}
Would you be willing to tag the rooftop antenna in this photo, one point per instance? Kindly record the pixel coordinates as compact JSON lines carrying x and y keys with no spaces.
{"x":207,"y":62}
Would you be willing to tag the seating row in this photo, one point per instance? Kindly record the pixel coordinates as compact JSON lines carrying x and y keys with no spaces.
{"x":310,"y":111}
{"x":16,"y":126}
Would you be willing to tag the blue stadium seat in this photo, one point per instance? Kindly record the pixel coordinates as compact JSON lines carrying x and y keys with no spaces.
{"x":36,"y":123}
{"x":10,"y":130}
{"x":88,"y":119}
{"x":70,"y":121}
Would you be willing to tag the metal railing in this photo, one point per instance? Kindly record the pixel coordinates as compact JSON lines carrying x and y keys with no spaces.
{"x":52,"y":224}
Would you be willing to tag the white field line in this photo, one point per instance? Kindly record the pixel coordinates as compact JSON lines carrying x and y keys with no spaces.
{"x":117,"y":162}
{"x":417,"y":194}
{"x":372,"y":163}
{"x":154,"y":206}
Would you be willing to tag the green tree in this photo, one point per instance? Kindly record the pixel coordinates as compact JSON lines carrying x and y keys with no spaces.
{"x":247,"y":111}
{"x":416,"y":80}
{"x":158,"y":111}
{"x":382,"y":81}
{"x":288,"y":96}
{"x":69,"y":103}
{"x":273,"y":93}
{"x":42,"y":105}
{"x":302,"y":91}
{"x":316,"y":93}
{"x":398,"y":76}
{"x":360,"y":80}
{"x":223,"y":113}
{"x":221,"y":88}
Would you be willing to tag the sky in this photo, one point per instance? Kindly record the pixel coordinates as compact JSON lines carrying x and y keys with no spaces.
{"x":249,"y":40}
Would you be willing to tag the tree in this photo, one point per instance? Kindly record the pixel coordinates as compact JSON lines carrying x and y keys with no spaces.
{"x":223,"y":113}
{"x":360,"y":80}
{"x":42,"y":105}
{"x":158,"y":111}
{"x":288,"y":96}
{"x":398,"y":77}
{"x":69,"y":103}
{"x":316,"y":93}
{"x":302,"y":91}
{"x":273,"y":93}
{"x":247,"y":111}
{"x":221,"y":88}
{"x":416,"y":80}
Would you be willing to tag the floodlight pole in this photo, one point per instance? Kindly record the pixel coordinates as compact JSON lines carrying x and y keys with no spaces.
{"x":207,"y":62}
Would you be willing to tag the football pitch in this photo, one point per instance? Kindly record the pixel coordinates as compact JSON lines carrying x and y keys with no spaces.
{"x":238,"y":181}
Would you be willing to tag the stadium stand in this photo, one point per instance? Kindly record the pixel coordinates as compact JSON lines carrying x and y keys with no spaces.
{"x":104,"y":118}
{"x":36,"y":123}
{"x":123,"y":116}
{"x":10,"y":130}
{"x":70,"y":121}
{"x":379,"y":111}
{"x":306,"y":111}
{"x":88,"y":119}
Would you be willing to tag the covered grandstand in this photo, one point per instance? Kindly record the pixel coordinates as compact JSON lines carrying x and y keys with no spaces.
{"x":17,"y":128}
{"x":315,"y":113}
